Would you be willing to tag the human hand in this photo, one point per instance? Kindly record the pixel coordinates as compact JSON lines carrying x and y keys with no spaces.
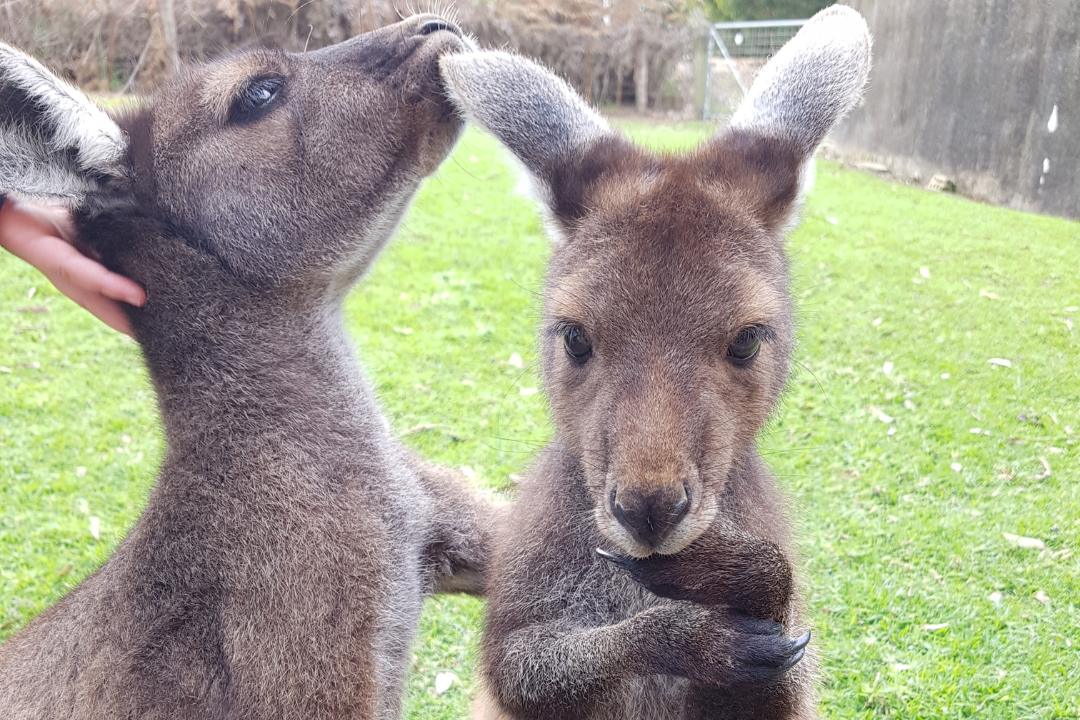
{"x":41,"y":235}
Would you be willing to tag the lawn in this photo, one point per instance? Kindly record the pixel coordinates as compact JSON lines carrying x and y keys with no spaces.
{"x":937,"y":491}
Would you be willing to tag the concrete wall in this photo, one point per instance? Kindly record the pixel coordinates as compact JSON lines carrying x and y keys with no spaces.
{"x":968,"y":88}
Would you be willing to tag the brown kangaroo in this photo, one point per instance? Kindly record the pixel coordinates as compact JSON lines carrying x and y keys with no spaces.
{"x":665,"y":343}
{"x":279,"y":566}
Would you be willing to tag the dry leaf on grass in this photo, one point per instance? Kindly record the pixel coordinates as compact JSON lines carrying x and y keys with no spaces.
{"x":1026,"y":543}
{"x":443,"y":682}
{"x":428,"y":427}
{"x":1042,"y":597}
{"x":1046,"y":469}
{"x":879,"y":414}
{"x":516,"y":361}
{"x":999,"y":361}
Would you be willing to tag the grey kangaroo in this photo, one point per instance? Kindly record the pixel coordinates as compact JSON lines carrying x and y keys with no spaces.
{"x":665,"y":343}
{"x":280,"y":564}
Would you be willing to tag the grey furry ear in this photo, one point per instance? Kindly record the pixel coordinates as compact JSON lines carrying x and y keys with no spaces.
{"x":797,"y":98}
{"x":54,"y":142}
{"x":812,"y":83}
{"x":533,"y":113}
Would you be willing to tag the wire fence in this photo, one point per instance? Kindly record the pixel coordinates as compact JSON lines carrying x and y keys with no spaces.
{"x":736,"y":51}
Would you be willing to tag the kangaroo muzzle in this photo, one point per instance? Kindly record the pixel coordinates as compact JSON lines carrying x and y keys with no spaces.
{"x":650,"y":516}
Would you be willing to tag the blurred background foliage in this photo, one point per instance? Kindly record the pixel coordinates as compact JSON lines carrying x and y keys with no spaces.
{"x":762,"y":9}
{"x":612,"y":51}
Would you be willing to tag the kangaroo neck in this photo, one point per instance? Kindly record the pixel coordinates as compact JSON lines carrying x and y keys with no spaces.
{"x":240,"y":368}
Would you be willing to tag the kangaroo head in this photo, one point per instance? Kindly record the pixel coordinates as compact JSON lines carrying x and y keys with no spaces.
{"x":667,"y":329}
{"x":281,"y":172}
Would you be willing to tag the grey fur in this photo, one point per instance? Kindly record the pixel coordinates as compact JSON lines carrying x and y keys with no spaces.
{"x":82,"y":139}
{"x":279,"y":566}
{"x":558,"y":123}
{"x":663,"y":262}
{"x":812,"y":82}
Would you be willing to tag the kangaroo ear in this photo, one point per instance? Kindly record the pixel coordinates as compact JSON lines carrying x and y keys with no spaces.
{"x":536,"y":115}
{"x":812,"y":82}
{"x":804,"y":91}
{"x":54,"y":142}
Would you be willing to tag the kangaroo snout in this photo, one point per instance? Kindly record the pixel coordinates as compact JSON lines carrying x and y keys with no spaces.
{"x":650,"y":516}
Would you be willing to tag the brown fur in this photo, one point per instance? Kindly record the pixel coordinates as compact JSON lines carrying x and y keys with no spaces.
{"x":280,"y":564}
{"x":674,"y":259}
{"x":664,"y":271}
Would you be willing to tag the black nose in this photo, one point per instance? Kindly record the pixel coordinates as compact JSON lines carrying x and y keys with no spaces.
{"x":437,"y":24}
{"x":650,"y":516}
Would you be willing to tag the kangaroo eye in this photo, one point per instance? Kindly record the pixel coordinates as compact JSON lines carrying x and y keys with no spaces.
{"x":577,"y":343}
{"x":256,"y":99}
{"x":745,"y":346}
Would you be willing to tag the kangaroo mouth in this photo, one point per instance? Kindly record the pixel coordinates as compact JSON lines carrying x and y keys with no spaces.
{"x":439,"y":38}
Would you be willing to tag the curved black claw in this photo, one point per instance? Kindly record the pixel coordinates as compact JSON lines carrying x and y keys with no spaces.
{"x":794,"y":659}
{"x":799,"y":649}
{"x":625,"y":563}
{"x":763,"y":654}
{"x":639,"y":570}
{"x":676,"y":577}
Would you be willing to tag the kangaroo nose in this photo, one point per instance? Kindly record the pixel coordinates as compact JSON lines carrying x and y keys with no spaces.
{"x":435,"y":25}
{"x":650,"y":517}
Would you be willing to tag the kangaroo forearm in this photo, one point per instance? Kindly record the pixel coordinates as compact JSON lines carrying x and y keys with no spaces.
{"x":541,"y":672}
{"x":463,"y":525}
{"x":752,"y":573}
{"x":724,"y":567}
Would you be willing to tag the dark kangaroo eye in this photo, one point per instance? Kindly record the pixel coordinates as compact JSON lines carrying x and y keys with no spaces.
{"x":256,"y":99}
{"x":745,"y":346}
{"x":577,"y":343}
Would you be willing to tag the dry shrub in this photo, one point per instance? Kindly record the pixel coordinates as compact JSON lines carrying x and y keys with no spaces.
{"x":594,"y":44}
{"x":101,"y":43}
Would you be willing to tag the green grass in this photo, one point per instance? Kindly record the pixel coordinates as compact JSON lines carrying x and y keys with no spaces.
{"x":895,"y":541}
